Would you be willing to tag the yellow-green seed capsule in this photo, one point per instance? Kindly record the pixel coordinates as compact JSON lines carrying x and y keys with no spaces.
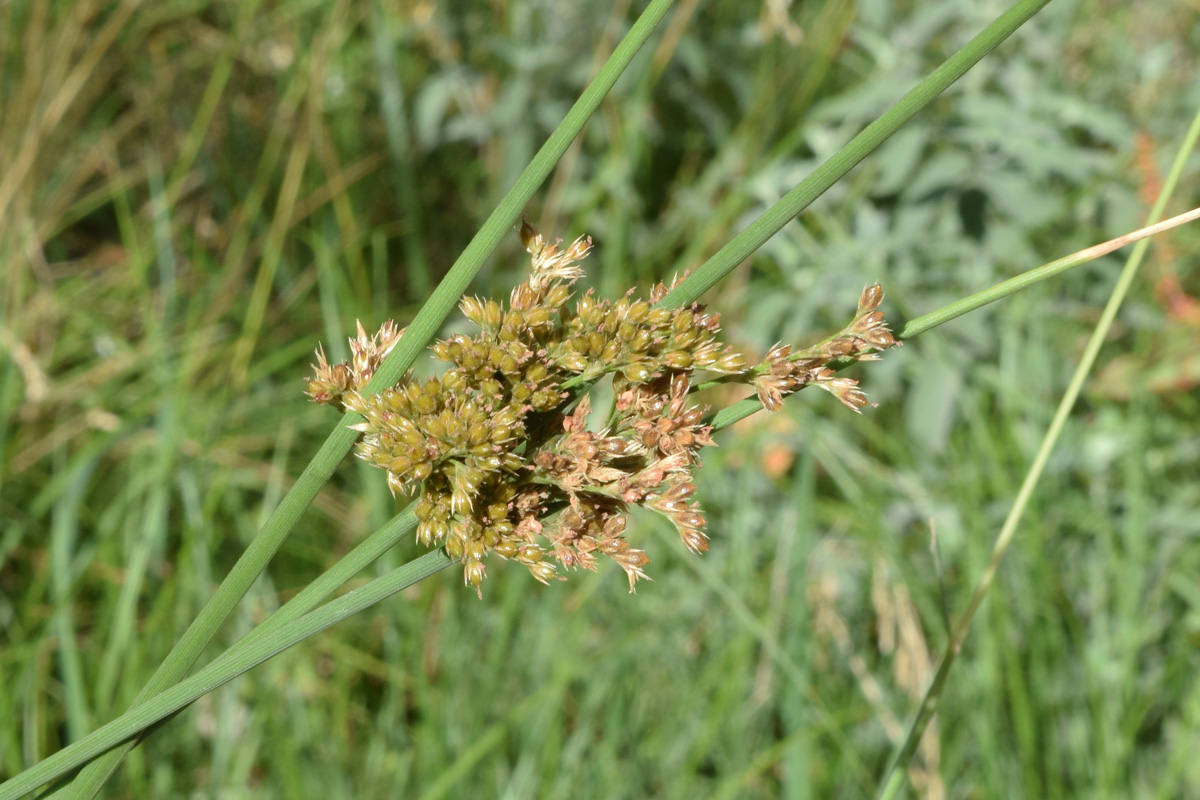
{"x":683,"y":319}
{"x":641,"y":340}
{"x":530,"y":554}
{"x":686,"y":338}
{"x":538,"y":317}
{"x":492,"y":314}
{"x":638,"y":373}
{"x":473,"y":573}
{"x":507,"y":548}
{"x":637,"y":311}
{"x":476,"y":549}
{"x":730,"y":362}
{"x":544,"y":400}
{"x":657,"y":317}
{"x":455,"y":547}
{"x":574,"y":362}
{"x":596,"y":344}
{"x":542,"y":571}
{"x":585,"y":305}
{"x":678,"y":359}
{"x":557,"y":295}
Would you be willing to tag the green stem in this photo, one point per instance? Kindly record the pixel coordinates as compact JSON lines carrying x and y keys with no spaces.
{"x":423,"y":327}
{"x":753,"y":237}
{"x":220,"y":672}
{"x":893,"y":778}
{"x":298,"y":616}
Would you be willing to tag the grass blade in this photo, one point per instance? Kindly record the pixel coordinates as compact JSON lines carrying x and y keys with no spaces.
{"x":893,"y":778}
{"x":142,"y":716}
{"x":339,"y":442}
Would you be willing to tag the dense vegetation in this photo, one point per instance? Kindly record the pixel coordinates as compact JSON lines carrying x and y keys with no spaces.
{"x":193,"y":194}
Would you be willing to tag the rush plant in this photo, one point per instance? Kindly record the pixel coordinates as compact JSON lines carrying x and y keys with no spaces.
{"x":503,"y":450}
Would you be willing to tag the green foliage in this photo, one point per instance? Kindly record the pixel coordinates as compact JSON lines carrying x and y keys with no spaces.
{"x":193,"y":194}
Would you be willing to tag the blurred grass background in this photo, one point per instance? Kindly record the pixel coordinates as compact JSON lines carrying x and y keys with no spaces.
{"x":194,"y":193}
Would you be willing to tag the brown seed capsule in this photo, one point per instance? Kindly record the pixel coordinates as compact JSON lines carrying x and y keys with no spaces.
{"x":694,"y":540}
{"x":870,"y":298}
{"x":680,"y":491}
{"x":880,"y":338}
{"x":868,"y":320}
{"x":838,"y":348}
{"x":614,"y":445}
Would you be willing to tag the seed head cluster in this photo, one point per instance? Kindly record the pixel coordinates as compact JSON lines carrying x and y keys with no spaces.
{"x":500,"y":447}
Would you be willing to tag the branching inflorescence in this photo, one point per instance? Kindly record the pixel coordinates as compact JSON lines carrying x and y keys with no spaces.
{"x":500,"y":441}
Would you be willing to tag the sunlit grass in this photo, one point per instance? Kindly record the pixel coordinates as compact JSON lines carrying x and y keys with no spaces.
{"x":153,"y":413}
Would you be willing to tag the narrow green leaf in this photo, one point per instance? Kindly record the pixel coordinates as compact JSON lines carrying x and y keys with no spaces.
{"x":423,"y":328}
{"x":758,"y":232}
{"x":220,"y":672}
{"x":893,"y":778}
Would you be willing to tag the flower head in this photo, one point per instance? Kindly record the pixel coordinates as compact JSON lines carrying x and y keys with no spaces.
{"x":501,"y":447}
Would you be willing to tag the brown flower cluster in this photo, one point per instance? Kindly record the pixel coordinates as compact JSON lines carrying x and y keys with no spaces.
{"x":783,"y":372}
{"x":366,"y":352}
{"x":502,"y":444}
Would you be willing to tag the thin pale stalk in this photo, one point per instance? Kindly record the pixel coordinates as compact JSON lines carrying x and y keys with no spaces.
{"x":423,"y":327}
{"x":1027,"y":279}
{"x":740,"y":410}
{"x":789,"y":207}
{"x":893,"y":779}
